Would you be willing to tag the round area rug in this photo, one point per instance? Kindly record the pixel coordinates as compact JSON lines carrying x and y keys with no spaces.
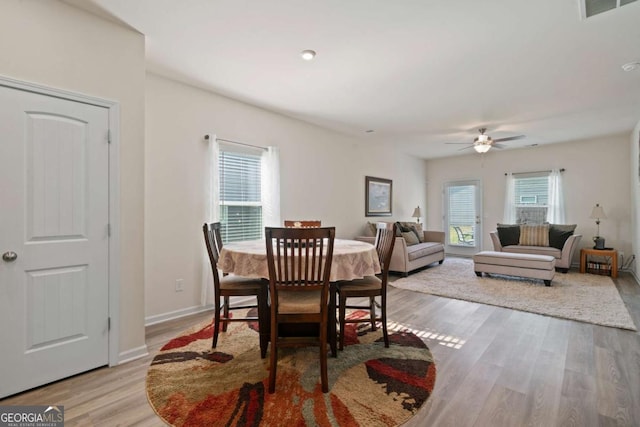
{"x":191,"y":384}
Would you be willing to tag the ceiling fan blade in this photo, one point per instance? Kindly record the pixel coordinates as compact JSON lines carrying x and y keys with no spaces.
{"x":509,"y":138}
{"x":465,"y":148}
{"x":456,"y":143}
{"x":499,"y":146}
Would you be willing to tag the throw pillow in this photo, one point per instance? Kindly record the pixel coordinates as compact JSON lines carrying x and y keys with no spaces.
{"x":417,"y":229}
{"x":412,"y":226}
{"x":559,"y":233}
{"x":371,"y":229}
{"x":508,"y":234}
{"x":410,"y":237}
{"x":534,"y":235}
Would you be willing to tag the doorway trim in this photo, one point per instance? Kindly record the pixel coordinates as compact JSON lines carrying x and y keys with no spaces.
{"x":114,"y":195}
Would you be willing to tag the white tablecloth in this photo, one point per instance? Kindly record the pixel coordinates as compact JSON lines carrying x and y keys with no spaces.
{"x":351,"y":259}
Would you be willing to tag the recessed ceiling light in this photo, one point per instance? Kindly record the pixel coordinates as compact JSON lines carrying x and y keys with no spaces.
{"x":630,"y":66}
{"x":308,"y":54}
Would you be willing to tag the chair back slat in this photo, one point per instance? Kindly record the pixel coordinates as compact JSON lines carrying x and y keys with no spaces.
{"x":213,"y":249}
{"x":299,"y":258}
{"x":213,"y":240}
{"x":384,"y":243}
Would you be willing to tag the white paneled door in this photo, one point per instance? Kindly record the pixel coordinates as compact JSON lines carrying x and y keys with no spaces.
{"x":54,"y":243}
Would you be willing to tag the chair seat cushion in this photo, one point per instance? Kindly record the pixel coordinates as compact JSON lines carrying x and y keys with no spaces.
{"x":239,"y":282}
{"x":366,"y":283}
{"x":292,"y":302}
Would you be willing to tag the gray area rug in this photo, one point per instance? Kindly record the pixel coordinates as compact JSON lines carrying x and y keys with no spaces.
{"x":584,"y":297}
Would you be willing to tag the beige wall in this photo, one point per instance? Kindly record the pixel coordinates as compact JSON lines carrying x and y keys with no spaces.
{"x":322,"y":177}
{"x":635,"y":196}
{"x":597,"y":171}
{"x":53,"y":44}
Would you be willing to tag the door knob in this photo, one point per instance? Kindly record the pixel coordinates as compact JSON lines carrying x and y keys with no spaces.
{"x":9,"y":256}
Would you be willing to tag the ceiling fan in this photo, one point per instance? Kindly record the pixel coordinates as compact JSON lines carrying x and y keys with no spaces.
{"x":483,"y":143}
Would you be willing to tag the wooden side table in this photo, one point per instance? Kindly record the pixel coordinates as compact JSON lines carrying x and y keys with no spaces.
{"x":611,"y":253}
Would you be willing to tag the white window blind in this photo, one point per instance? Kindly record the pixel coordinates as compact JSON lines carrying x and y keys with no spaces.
{"x":240,"y":195}
{"x":462,"y":205}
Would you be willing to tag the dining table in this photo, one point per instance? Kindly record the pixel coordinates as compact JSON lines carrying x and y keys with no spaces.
{"x":352,"y":259}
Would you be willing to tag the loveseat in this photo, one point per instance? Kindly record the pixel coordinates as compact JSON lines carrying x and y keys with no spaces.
{"x":409,"y":252}
{"x":557,"y":240}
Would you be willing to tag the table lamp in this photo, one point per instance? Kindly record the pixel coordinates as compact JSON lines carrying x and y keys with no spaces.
{"x":417,"y":214}
{"x":596,"y":213}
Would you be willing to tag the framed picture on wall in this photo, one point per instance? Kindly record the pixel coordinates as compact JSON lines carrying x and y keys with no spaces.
{"x":378,"y":192}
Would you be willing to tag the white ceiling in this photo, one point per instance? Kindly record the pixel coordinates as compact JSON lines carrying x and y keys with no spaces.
{"x":419,"y":72}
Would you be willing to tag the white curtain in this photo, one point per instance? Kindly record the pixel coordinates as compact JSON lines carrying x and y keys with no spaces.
{"x":211,"y":214}
{"x":509,"y":215}
{"x":555,"y":213}
{"x":271,"y":187}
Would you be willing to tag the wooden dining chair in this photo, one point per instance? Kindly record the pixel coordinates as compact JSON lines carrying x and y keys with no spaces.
{"x":299,"y":261}
{"x":369,"y":287}
{"x":302,"y":224}
{"x":233,"y":286}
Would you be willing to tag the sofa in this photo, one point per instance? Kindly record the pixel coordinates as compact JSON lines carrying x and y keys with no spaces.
{"x":557,"y":240}
{"x":413,"y":249}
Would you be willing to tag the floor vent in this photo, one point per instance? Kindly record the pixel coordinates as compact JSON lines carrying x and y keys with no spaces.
{"x":590,"y":8}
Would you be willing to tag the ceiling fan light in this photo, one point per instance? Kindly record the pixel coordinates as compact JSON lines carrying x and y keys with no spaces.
{"x":308,"y":54}
{"x":481,"y":147}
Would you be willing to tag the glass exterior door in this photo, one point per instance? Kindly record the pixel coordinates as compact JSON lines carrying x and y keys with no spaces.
{"x":462,"y":217}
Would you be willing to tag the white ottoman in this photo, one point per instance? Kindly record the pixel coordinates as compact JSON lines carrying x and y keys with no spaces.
{"x":514,"y":264}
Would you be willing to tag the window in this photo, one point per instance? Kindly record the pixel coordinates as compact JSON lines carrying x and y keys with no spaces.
{"x":531,"y":197}
{"x":528,"y":199}
{"x":240,"y":195}
{"x":534,"y":198}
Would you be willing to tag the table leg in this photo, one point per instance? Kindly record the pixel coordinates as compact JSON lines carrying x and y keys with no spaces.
{"x":583,"y":262}
{"x":614,"y":265}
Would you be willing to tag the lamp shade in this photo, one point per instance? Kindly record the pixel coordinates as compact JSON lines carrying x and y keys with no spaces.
{"x":597,"y":212}
{"x":416,"y":212}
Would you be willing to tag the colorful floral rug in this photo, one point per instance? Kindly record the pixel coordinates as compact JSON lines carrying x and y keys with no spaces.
{"x":191,"y":384}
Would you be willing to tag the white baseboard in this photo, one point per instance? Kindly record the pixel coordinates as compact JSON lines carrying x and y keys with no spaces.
{"x":133,"y":354}
{"x":159,"y":318}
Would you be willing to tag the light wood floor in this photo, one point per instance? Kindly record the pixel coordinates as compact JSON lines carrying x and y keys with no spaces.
{"x":496,"y":367}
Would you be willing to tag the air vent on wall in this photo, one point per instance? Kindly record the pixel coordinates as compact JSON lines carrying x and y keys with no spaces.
{"x":589,"y":8}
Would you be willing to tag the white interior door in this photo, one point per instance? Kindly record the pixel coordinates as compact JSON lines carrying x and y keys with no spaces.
{"x":54,"y":243}
{"x":462,"y":217}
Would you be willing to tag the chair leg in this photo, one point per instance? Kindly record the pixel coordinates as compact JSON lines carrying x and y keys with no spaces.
{"x":341,"y":317}
{"x":372,"y":312}
{"x":226,"y":314}
{"x":263,"y":322}
{"x":383,"y":309}
{"x":331,"y":318}
{"x":216,"y":324}
{"x":323,"y":359}
{"x":273,"y":356}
